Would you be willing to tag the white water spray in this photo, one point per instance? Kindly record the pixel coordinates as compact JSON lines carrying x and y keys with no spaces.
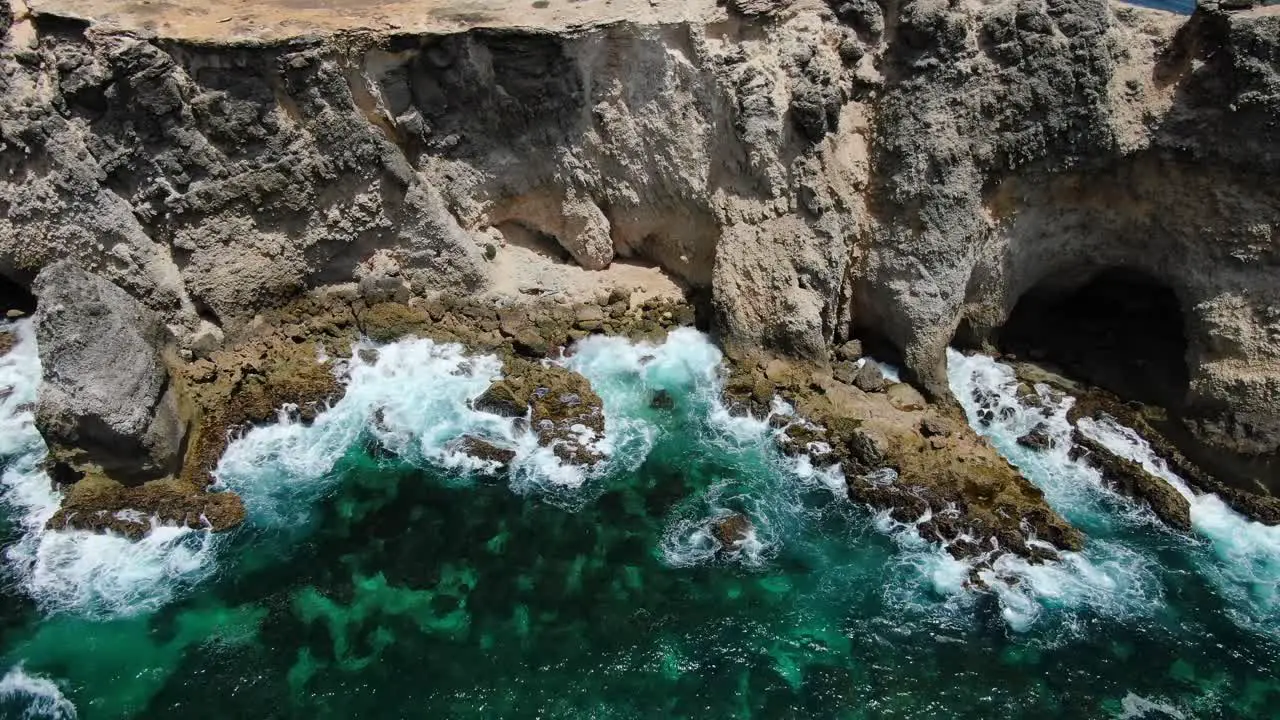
{"x":1245,"y":560}
{"x":1244,"y":557}
{"x":31,"y":697}
{"x":76,"y":571}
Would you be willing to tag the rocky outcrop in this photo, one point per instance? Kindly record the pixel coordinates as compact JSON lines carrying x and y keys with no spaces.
{"x":927,"y":469}
{"x":1131,"y":479}
{"x":564,"y":412}
{"x":1151,"y":423}
{"x":905,"y":172}
{"x":105,"y":400}
{"x":99,"y":504}
{"x":481,"y":449}
{"x":731,"y":532}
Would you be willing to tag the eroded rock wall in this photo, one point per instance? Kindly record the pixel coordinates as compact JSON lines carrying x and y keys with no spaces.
{"x":897,"y":170}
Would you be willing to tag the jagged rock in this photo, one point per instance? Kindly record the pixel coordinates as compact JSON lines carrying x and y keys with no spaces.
{"x":845,"y":371}
{"x":106,"y":399}
{"x":849,"y":351}
{"x":564,"y":412}
{"x":869,"y":378}
{"x":1037,"y":438}
{"x":98,"y":504}
{"x":1131,"y":479}
{"x":7,"y":341}
{"x":207,"y":338}
{"x":731,"y":531}
{"x":1089,"y":134}
{"x":485,"y":450}
{"x":501,"y":399}
{"x":905,"y":457}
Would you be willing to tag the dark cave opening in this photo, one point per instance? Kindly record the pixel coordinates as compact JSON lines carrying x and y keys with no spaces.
{"x":1120,"y":329}
{"x":15,"y":296}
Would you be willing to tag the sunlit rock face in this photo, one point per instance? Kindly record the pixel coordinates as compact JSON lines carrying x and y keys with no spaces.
{"x":810,"y":172}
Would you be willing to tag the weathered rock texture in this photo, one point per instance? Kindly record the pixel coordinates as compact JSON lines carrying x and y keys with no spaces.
{"x":106,"y":398}
{"x":899,"y":171}
{"x":925,"y":468}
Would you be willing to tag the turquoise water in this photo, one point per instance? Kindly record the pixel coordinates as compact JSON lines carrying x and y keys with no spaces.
{"x":382,"y":575}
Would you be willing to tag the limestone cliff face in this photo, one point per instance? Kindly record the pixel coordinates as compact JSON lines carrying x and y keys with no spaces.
{"x":899,"y":170}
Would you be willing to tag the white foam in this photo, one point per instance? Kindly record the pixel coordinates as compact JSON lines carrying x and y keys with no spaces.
{"x":1135,"y":706}
{"x":413,"y":400}
{"x":1108,"y":578}
{"x":689,"y":540}
{"x":33,"y":697}
{"x":1244,"y":562}
{"x":1244,"y":557}
{"x":76,"y":571}
{"x":626,"y":374}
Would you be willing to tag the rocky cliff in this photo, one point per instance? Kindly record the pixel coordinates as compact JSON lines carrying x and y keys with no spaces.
{"x":904,"y":171}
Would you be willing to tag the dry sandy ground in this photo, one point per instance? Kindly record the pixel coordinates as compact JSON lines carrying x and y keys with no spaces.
{"x":246,"y":20}
{"x":525,"y":266}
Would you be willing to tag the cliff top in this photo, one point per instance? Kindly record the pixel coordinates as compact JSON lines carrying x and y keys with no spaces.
{"x":267,"y":20}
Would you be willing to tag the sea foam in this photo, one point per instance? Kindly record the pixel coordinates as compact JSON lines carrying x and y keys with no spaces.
{"x":75,"y":571}
{"x":31,"y":697}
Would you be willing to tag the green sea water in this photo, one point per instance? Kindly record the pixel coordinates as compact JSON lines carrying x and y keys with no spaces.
{"x":378,"y":584}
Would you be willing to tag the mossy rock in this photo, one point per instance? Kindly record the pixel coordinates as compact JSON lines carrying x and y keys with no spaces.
{"x":557,"y":399}
{"x":99,"y":504}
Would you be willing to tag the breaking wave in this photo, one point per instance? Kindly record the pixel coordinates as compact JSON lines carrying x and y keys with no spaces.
{"x":31,"y":697}
{"x":1115,"y":571}
{"x":75,"y":571}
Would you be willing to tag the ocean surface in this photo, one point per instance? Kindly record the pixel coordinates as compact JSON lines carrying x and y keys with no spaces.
{"x":1182,"y":7}
{"x":383,"y":575}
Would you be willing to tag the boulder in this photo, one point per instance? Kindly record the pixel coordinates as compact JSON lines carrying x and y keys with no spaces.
{"x":869,"y":378}
{"x":1037,"y":438}
{"x":501,"y":399}
{"x":106,"y":399}
{"x":849,"y":351}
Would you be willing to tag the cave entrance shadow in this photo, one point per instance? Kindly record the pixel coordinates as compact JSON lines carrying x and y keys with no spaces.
{"x":15,"y":296}
{"x":1117,"y":328}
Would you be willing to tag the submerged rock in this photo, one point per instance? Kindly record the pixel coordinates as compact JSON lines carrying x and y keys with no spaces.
{"x":662,"y":400}
{"x":1132,"y":479}
{"x":731,"y":531}
{"x":7,"y":341}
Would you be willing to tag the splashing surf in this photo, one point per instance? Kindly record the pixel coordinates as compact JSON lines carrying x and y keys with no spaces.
{"x":31,"y":697}
{"x":74,"y":571}
{"x":1242,"y":559}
